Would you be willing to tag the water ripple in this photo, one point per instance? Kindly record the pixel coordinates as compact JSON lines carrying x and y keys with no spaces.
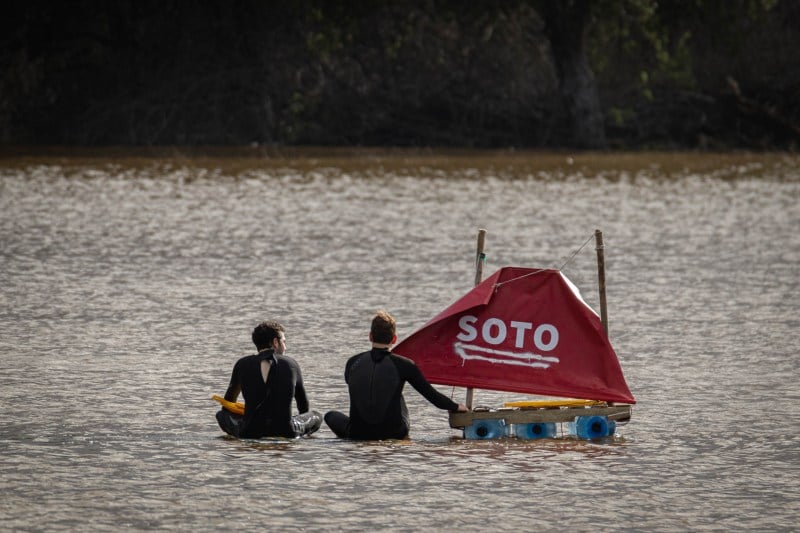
{"x":129,"y":288}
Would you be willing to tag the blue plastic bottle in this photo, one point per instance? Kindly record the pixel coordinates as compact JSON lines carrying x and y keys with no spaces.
{"x":486,"y":429}
{"x":535,"y":430}
{"x":589,"y":427}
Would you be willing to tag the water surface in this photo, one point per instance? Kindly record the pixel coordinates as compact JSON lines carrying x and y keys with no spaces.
{"x":130,"y":282}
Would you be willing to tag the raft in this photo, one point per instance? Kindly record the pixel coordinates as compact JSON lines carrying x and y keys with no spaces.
{"x":584,"y":419}
{"x":526,"y":330}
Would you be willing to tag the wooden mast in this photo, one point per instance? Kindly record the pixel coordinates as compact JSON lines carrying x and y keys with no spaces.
{"x":601,"y":277}
{"x":479,"y":257}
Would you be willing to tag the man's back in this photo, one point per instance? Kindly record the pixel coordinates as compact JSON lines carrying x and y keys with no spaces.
{"x":377,"y":407}
{"x":268,"y":406}
{"x":375,"y":381}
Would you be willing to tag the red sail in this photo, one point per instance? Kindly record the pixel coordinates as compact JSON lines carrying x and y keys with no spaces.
{"x":520,"y":330}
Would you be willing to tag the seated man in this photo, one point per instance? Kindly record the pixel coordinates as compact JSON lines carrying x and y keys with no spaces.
{"x":375,"y":380}
{"x":268,"y":381}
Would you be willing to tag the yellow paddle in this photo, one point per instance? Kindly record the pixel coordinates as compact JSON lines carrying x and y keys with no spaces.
{"x":234,"y":407}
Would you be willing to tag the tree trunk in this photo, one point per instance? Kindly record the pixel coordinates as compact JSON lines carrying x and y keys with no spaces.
{"x":565,"y":25}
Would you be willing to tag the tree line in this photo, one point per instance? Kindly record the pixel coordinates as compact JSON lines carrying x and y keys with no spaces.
{"x":632,"y":74}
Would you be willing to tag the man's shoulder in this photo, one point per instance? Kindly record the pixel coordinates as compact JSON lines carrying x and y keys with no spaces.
{"x":245,"y":358}
{"x":291,"y":361}
{"x":360,"y":354}
{"x":354,"y":359}
{"x":399,"y":359}
{"x":405,"y":366}
{"x":402,"y":359}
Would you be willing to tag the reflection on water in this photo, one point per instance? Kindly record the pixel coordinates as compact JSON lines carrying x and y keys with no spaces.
{"x":131,"y":281}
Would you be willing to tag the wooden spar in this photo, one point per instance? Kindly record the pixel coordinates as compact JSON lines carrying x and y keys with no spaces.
{"x":617,"y":413}
{"x":479,"y":257}
{"x":601,"y":277}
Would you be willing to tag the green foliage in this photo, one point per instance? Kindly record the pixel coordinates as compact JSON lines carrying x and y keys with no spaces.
{"x":418,"y":72}
{"x":620,"y":117}
{"x":647,"y":45}
{"x":630,"y":39}
{"x":328,"y":37}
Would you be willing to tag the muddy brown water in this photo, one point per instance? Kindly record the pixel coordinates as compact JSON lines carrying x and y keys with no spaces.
{"x":130,"y":282}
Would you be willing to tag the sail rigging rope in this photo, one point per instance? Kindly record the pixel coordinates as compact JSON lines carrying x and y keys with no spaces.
{"x":497,"y":285}
{"x":576,"y":252}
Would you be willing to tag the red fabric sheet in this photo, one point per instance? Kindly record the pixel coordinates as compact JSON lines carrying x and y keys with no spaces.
{"x":521,"y":330}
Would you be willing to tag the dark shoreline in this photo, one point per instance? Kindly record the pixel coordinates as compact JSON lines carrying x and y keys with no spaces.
{"x":440,"y":73}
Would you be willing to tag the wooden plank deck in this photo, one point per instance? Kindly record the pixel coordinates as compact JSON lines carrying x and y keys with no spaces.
{"x":617,"y":413}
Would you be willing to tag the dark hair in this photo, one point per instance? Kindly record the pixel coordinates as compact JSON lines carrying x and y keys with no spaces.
{"x":383,"y":328}
{"x":265,"y":332}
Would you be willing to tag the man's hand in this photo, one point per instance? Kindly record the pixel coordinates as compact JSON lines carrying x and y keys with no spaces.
{"x":462,"y":408}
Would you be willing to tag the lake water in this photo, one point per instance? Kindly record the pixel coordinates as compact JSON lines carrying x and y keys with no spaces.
{"x":130,"y":283}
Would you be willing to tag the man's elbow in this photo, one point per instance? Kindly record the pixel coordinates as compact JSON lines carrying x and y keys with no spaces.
{"x":232,"y":395}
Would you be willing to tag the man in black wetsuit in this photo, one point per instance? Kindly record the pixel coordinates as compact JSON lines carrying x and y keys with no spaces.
{"x":268,"y":381}
{"x":375,"y":380}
